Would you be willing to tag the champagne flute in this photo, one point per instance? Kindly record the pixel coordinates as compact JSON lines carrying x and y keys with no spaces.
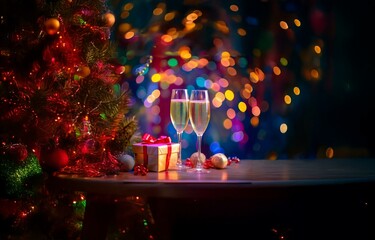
{"x":199,"y":114}
{"x":180,"y":117}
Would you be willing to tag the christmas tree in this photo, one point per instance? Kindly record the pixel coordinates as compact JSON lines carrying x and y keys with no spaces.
{"x":63,"y":97}
{"x":64,"y":106}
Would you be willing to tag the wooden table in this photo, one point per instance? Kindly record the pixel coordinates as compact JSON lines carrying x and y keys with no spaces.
{"x":254,"y":193}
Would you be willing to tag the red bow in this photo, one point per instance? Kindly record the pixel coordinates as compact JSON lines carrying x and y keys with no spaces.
{"x":140,"y":169}
{"x":148,"y":139}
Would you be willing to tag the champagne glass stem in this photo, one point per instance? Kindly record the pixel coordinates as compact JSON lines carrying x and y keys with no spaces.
{"x":199,"y":164}
{"x":179,"y":161}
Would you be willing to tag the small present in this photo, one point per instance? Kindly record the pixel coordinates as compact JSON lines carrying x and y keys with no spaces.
{"x":156,"y":154}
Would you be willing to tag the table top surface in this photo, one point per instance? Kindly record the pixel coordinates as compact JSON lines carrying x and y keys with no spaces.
{"x":243,"y":175}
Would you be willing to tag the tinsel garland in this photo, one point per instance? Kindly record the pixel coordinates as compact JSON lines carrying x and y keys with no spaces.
{"x":108,"y":165}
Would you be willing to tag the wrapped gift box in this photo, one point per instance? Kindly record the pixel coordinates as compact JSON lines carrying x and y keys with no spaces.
{"x":157,"y":157}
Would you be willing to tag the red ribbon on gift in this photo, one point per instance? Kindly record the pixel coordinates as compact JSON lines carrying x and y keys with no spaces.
{"x":148,"y":139}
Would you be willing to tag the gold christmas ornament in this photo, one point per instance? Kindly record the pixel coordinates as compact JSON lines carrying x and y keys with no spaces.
{"x":194,"y":158}
{"x":52,"y":26}
{"x":109,"y":19}
{"x":219,"y":160}
{"x":83,"y":71}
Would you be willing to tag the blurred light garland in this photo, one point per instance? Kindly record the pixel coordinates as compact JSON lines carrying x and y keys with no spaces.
{"x":248,"y":75}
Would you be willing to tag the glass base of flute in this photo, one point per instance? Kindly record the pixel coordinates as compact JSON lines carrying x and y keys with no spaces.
{"x":199,"y":166}
{"x":180,"y":164}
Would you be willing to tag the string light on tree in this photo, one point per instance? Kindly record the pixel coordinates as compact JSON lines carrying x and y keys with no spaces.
{"x":143,"y":69}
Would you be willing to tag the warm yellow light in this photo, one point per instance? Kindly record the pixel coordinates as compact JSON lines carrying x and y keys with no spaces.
{"x":246,"y":93}
{"x":192,"y":17}
{"x":317,"y":49}
{"x":330,"y":152}
{"x":202,"y":62}
{"x":232,"y":71}
{"x":229,"y":95}
{"x":257,"y":75}
{"x":254,"y":77}
{"x":314,"y":73}
{"x":283,"y":128}
{"x":222,"y":26}
{"x":167,"y":38}
{"x":296,"y":91}
{"x":150,"y":98}
{"x":254,"y":121}
{"x":156,"y":93}
{"x":220,"y":96}
{"x":156,"y":77}
{"x":287,"y":99}
{"x":129,"y":35}
{"x":242,"y":106}
{"x":128,"y":6}
{"x":227,"y":124}
{"x":225,"y":62}
{"x":216,"y":102}
{"x":124,"y":14}
{"x":233,"y":8}
{"x":284,"y":25}
{"x":169,"y":16}
{"x":225,"y":54}
{"x":124,"y":27}
{"x":172,"y":31}
{"x":157,"y":11}
{"x":185,"y":54}
{"x":189,"y":25}
{"x":192,"y":64}
{"x":297,"y":22}
{"x":241,"y":32}
{"x":276,"y":70}
{"x":198,"y":12}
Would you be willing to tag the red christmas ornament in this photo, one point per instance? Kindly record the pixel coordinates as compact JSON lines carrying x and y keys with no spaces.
{"x":55,"y":159}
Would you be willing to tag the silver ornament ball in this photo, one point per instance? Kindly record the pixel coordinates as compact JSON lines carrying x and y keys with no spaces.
{"x":127,"y":162}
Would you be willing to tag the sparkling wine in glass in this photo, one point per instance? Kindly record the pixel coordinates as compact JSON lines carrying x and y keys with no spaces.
{"x":180,"y":117}
{"x":199,"y":115}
